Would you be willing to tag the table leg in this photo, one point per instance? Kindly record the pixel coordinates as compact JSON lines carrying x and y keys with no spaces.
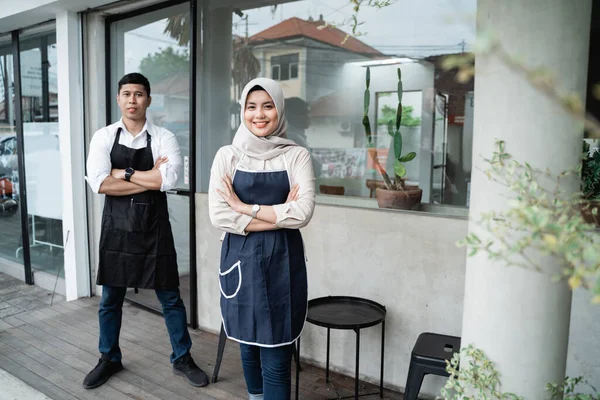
{"x":327,"y":362}
{"x":298,"y":368}
{"x":357,"y":363}
{"x":382,"y":353}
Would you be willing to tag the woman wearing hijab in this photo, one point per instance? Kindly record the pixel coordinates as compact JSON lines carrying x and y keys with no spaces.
{"x":262,"y":190}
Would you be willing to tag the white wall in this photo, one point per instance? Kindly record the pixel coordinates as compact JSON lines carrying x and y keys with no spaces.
{"x":405,"y":261}
{"x":408,"y":262}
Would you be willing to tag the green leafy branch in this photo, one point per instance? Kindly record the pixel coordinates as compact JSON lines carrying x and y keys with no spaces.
{"x":478,"y":379}
{"x":542,"y":219}
{"x":353,"y":21}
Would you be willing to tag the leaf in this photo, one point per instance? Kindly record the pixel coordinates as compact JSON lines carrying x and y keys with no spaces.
{"x":368,"y":77}
{"x":408,"y":157}
{"x":391,"y":128}
{"x":367,"y":101}
{"x":398,"y":116}
{"x":400,"y":91}
{"x":397,"y":145}
{"x":367,"y":126}
{"x":399,"y":169}
{"x":574,"y":282}
{"x":550,"y":241}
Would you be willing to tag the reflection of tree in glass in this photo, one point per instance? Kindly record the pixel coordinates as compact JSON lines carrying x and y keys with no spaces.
{"x":245,"y":66}
{"x":164,"y":64}
{"x":178,"y":27}
{"x":389,"y":114}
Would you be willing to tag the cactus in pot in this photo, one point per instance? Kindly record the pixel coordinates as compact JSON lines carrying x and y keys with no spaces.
{"x":394,"y":183}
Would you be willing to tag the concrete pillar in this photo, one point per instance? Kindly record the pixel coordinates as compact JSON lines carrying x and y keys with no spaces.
{"x":72,"y":152}
{"x":520,"y":318}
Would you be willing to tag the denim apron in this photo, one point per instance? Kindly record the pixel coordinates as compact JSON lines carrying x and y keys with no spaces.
{"x":137,"y":249}
{"x":262,"y":276}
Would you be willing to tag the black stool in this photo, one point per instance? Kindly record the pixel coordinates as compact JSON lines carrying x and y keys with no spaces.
{"x":221,"y":349}
{"x":429,"y":357}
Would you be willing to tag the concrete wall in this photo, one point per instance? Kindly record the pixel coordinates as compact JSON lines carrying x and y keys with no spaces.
{"x":406,"y":261}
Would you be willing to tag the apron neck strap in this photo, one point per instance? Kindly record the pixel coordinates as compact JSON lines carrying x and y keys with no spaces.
{"x":117,"y":137}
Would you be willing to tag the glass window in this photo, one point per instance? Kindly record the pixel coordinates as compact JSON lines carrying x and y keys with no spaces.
{"x":157,"y":45}
{"x":10,"y":217}
{"x":39,"y":100}
{"x":322,"y":70}
{"x":286,"y":66}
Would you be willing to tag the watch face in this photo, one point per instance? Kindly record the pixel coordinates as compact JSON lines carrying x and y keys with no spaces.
{"x":129,"y":170}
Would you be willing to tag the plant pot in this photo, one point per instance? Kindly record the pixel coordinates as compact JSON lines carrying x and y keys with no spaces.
{"x":335,"y":190}
{"x":587,"y":212}
{"x":398,"y":199}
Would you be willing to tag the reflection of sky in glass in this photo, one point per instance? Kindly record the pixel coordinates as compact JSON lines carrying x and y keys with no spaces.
{"x":407,"y":27}
{"x":413,"y":28}
{"x":144,"y":41}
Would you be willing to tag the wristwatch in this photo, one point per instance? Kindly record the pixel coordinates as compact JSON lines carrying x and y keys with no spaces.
{"x":128,"y":172}
{"x":255,"y":210}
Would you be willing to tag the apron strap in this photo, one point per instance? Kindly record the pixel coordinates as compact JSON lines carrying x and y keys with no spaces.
{"x":117,"y":137}
{"x":237,"y":166}
{"x":285,"y":165}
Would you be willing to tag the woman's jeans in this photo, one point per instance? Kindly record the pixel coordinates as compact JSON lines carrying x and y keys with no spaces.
{"x":111,"y":311}
{"x":268,"y":370}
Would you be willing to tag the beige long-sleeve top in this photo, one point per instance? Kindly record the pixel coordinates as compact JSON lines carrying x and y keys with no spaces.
{"x":293,"y":215}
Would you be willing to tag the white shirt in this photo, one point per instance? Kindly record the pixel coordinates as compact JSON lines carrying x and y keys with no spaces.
{"x":163,"y":144}
{"x":293,"y":215}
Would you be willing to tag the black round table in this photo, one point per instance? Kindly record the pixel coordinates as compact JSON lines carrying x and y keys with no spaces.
{"x":346,"y":312}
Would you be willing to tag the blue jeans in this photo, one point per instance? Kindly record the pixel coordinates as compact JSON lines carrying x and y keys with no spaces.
{"x":268,"y":370}
{"x":111,"y":312}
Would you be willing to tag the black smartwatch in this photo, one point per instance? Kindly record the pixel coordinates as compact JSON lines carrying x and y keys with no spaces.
{"x":128,"y":172}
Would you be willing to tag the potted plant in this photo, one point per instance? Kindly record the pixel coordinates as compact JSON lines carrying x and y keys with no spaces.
{"x":394,"y":193}
{"x":590,"y":185}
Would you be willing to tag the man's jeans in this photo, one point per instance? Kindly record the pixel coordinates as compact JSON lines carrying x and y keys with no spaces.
{"x":268,"y":370}
{"x":111,"y":312}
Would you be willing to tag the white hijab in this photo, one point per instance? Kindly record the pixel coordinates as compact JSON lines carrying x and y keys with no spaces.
{"x":277,"y":143}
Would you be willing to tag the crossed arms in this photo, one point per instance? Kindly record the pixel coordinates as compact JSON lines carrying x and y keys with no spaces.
{"x":116,"y":185}
{"x":229,"y":214}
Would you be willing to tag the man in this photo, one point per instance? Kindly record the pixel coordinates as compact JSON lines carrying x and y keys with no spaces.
{"x":133,"y":163}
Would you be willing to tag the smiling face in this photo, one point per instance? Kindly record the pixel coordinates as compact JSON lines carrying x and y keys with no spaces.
{"x":133,"y":101}
{"x":260,"y":114}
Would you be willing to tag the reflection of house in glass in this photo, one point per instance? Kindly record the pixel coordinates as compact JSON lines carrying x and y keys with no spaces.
{"x":305,"y":59}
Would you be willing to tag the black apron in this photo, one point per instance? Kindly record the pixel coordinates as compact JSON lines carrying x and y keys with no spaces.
{"x":136,"y":243}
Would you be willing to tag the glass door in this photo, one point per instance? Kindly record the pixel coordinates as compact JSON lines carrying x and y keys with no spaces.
{"x":39,"y":105}
{"x":157,"y":44}
{"x":10,"y":216}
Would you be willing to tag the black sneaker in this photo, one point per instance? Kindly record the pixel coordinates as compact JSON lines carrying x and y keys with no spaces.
{"x":187,"y":368}
{"x":100,"y":374}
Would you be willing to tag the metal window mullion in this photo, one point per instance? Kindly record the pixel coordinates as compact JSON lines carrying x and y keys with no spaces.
{"x":21,"y":156}
{"x":194,"y":49}
{"x":45,"y":80}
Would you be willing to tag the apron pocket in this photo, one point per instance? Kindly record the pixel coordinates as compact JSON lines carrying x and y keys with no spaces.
{"x":142,"y":217}
{"x":227,"y":280}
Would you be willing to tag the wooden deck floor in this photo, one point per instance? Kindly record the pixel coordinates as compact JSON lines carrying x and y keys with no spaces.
{"x":51,"y":348}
